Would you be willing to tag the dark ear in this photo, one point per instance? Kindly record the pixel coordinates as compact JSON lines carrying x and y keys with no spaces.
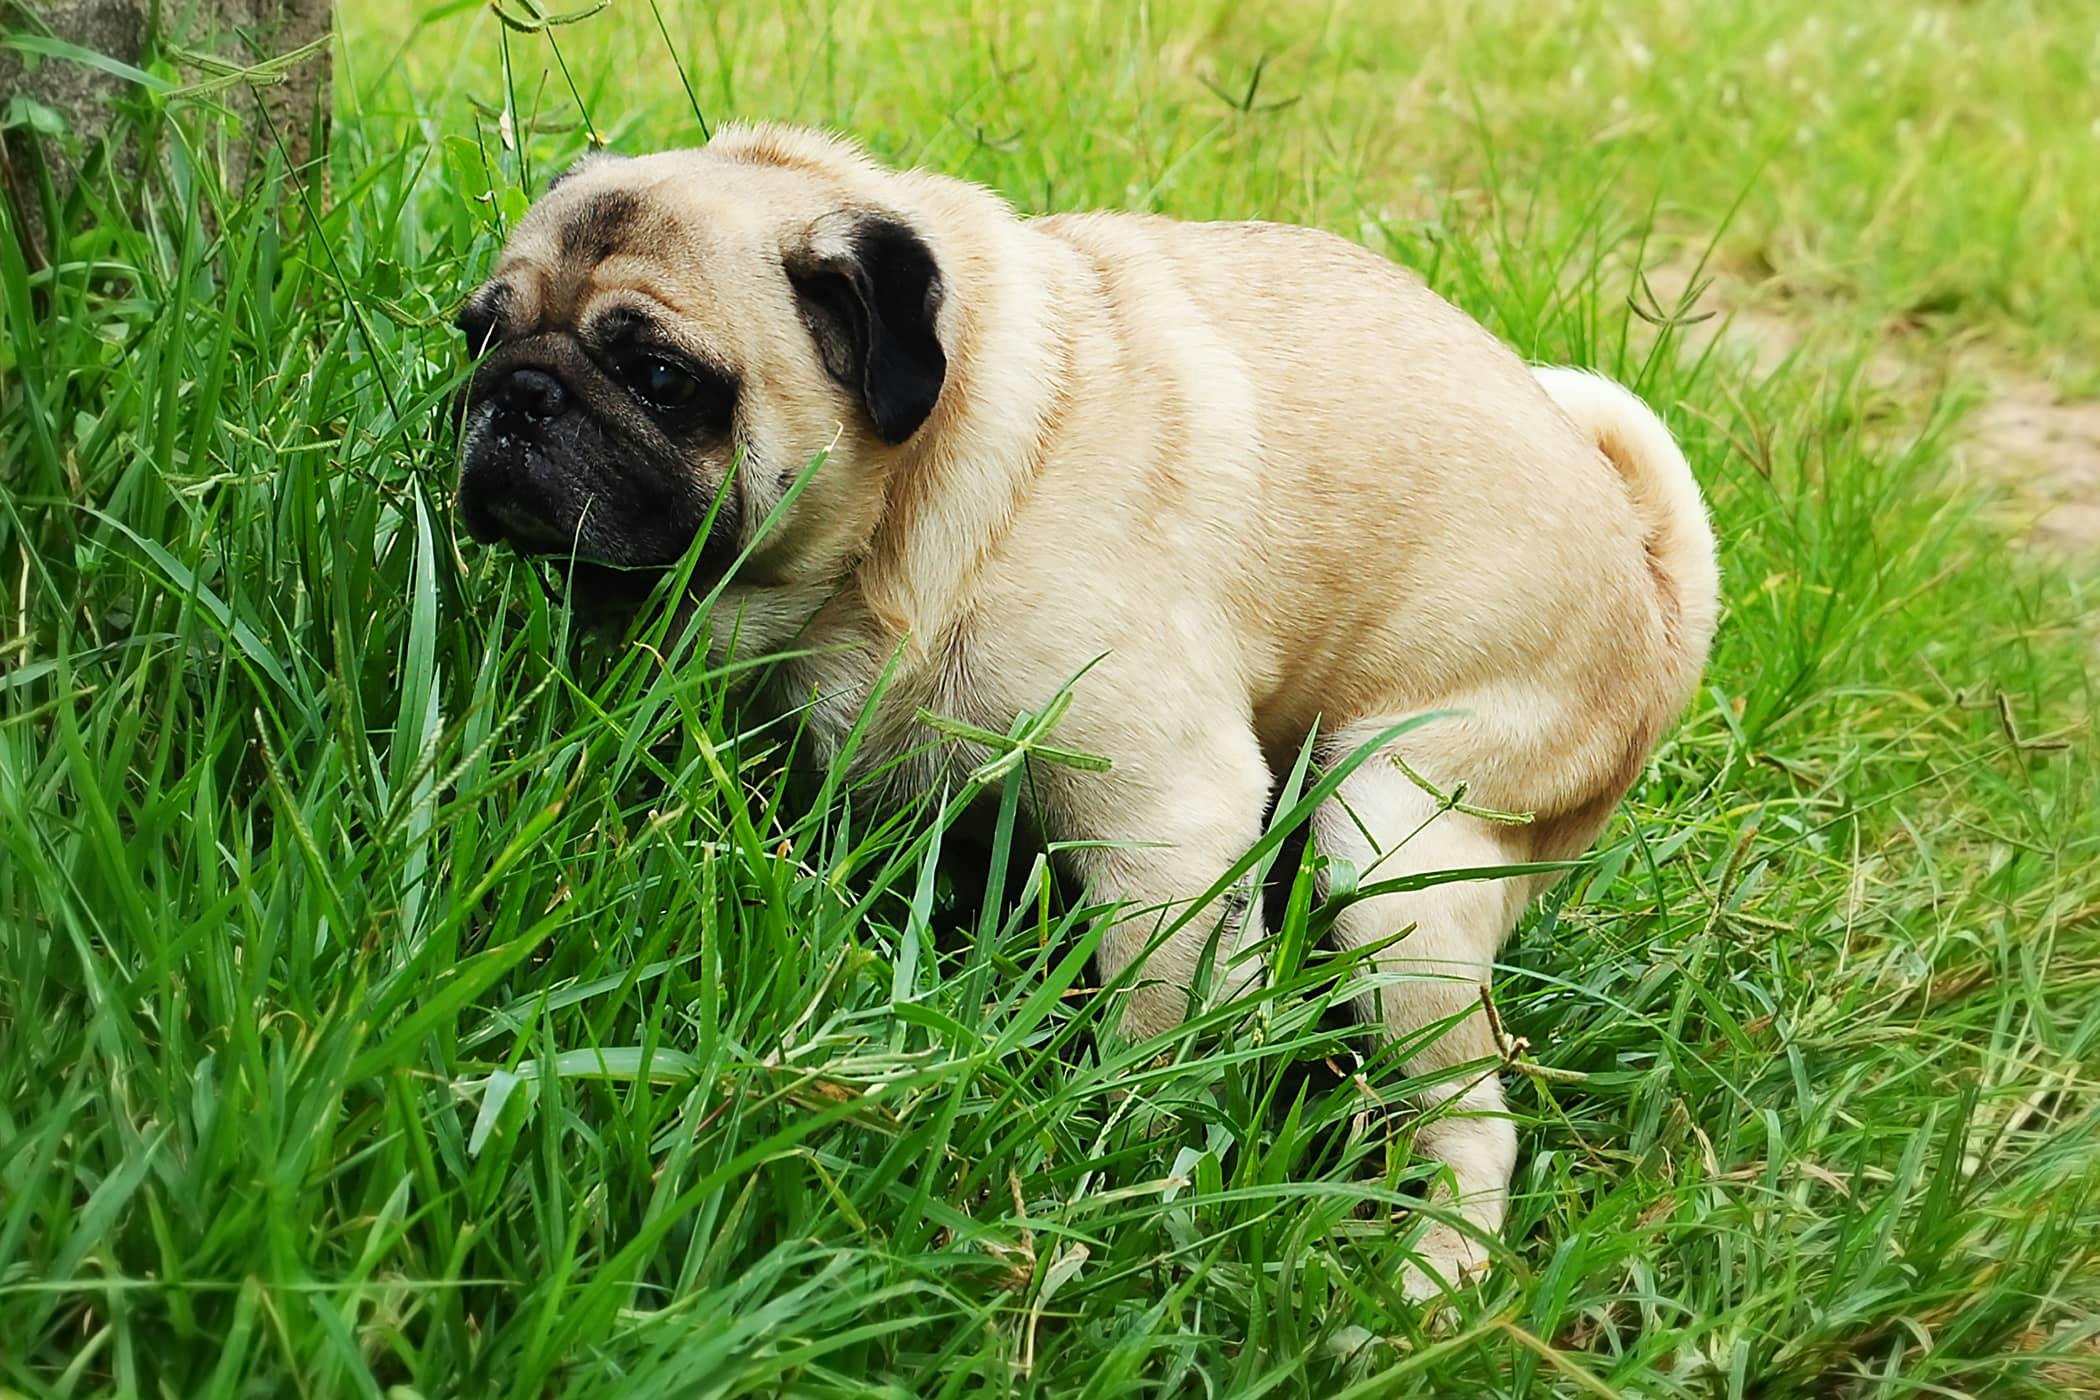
{"x":870,"y":291}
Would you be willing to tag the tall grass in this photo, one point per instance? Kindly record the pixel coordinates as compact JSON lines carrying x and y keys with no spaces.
{"x":400,"y":987}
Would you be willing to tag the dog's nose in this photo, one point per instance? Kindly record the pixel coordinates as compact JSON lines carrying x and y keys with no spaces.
{"x":535,"y":394}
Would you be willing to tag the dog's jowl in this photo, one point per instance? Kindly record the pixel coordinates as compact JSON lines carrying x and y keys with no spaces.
{"x":1255,"y":482}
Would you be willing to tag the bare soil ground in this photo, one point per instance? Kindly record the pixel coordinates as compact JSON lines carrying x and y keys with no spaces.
{"x":2040,"y":450}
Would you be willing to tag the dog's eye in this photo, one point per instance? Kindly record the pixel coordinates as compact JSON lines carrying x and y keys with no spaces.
{"x":660,"y":382}
{"x":686,"y":396}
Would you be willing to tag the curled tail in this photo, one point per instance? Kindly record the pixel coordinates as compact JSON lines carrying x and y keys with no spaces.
{"x":1665,"y":497}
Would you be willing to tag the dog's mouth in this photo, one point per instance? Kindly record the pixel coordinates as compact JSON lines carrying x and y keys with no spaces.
{"x":567,"y":572}
{"x":595,"y":589}
{"x":506,"y":495}
{"x":505,"y":522}
{"x":559,"y":498}
{"x":598,"y":523}
{"x":565,"y":562}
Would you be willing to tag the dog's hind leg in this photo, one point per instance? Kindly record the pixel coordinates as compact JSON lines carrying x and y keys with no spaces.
{"x":1435,"y":948}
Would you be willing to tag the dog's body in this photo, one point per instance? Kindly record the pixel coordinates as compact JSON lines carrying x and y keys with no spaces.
{"x":1254,"y":481}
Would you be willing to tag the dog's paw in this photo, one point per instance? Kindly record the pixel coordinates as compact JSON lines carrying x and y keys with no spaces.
{"x":1358,"y":1350}
{"x":1446,"y":1261}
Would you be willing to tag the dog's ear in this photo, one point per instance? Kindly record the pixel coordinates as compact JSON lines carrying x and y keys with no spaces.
{"x":870,"y":293}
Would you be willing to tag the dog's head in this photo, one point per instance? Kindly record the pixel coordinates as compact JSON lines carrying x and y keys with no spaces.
{"x":668,"y":342}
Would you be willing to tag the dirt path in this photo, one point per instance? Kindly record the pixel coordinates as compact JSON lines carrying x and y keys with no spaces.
{"x":2048,"y":451}
{"x":2043,"y":451}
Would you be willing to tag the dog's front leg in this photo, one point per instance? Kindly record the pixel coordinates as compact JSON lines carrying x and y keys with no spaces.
{"x":1153,"y":835}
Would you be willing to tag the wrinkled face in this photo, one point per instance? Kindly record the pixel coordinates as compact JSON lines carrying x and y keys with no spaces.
{"x":666,"y":344}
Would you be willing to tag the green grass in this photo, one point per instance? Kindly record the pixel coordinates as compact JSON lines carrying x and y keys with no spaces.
{"x":398,"y":989}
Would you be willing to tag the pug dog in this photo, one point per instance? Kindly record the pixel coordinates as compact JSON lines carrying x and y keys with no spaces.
{"x":1251,"y":484}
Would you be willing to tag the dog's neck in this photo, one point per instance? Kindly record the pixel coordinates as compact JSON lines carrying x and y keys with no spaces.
{"x":950,"y":494}
{"x":956,"y":486}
